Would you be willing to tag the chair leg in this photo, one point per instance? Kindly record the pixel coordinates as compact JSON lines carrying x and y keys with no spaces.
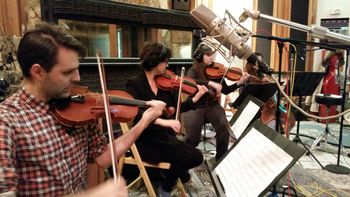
{"x":138,"y":179}
{"x":120,"y":165}
{"x":181,"y":188}
{"x":147,"y":181}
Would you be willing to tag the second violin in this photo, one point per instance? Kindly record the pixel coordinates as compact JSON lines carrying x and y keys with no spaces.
{"x":169,"y":81}
{"x":218,"y":70}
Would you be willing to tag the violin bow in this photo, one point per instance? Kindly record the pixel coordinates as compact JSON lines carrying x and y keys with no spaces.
{"x":108,"y":115}
{"x":179,"y":96}
{"x":227,"y":68}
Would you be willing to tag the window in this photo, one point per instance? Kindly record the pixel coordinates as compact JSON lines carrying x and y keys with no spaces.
{"x":127,"y":40}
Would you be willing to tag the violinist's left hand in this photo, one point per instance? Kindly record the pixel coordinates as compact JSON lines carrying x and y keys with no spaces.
{"x":201,"y":91}
{"x":216,"y":86}
{"x":170,"y":111}
{"x":243,"y":78}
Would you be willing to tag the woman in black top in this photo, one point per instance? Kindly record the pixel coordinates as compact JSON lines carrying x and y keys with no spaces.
{"x":208,"y":107}
{"x":158,"y":143}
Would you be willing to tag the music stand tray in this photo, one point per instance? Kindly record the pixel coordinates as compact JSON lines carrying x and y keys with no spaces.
{"x":261,"y":91}
{"x":306,"y":83}
{"x":259,"y":158}
{"x":245,"y":115}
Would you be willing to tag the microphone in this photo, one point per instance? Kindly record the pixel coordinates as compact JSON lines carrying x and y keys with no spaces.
{"x":227,"y":35}
{"x":249,"y":14}
{"x":314,"y":30}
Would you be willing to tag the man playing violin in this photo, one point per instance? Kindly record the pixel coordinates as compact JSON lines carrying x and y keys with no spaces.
{"x":158,"y":142}
{"x":39,"y":156}
{"x":208,"y":107}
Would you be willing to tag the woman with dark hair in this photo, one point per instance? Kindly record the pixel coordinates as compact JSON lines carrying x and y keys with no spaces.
{"x":208,"y":107}
{"x":158,"y":143}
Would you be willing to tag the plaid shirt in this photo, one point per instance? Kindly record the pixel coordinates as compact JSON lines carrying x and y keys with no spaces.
{"x":39,"y":156}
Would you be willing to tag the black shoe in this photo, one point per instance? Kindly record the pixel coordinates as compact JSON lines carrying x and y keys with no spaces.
{"x":185,"y":177}
{"x":162,"y":192}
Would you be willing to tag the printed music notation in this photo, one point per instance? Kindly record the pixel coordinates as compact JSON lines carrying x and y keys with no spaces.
{"x":245,"y":118}
{"x":251,"y":165}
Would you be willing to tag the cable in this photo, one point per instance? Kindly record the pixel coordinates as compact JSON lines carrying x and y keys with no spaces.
{"x":301,"y":110}
{"x":315,"y":187}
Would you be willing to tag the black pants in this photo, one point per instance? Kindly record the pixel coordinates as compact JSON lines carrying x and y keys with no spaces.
{"x":214,"y":114}
{"x":181,"y":155}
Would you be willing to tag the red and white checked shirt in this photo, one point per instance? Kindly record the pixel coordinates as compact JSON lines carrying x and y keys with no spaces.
{"x":37,"y":155}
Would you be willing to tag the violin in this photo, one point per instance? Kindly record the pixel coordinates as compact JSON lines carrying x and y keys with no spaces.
{"x":170,"y":81}
{"x":85,"y":107}
{"x":218,"y":71}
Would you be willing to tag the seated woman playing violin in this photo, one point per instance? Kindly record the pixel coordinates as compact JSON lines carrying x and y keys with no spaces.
{"x":208,"y":107}
{"x":268,"y":110}
{"x":158,"y":142}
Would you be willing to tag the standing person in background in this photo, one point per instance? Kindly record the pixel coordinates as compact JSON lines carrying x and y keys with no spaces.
{"x":39,"y":155}
{"x":330,"y":83}
{"x":208,"y":107}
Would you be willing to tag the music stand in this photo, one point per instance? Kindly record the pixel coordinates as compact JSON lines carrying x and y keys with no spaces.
{"x":306,"y":83}
{"x":258,"y":159}
{"x":261,"y":91}
{"x":246,"y":114}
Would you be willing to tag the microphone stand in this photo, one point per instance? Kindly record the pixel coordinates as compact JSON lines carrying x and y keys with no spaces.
{"x":280,"y":43}
{"x":336,"y":168}
{"x":278,"y":113}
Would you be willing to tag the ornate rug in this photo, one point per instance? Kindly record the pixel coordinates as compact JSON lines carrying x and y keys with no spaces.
{"x":304,"y":182}
{"x":311,"y":130}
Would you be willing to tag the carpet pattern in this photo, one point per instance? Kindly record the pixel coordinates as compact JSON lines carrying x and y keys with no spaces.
{"x":305,"y":182}
{"x":313,"y":183}
{"x":311,"y":130}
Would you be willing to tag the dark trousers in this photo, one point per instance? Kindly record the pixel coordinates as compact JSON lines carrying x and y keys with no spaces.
{"x":214,"y":114}
{"x":181,"y":155}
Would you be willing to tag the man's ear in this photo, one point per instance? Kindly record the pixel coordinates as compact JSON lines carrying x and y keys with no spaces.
{"x":37,"y":72}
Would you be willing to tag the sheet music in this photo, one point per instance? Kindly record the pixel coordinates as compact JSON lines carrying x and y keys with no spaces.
{"x":245,"y":118}
{"x":252,"y":165}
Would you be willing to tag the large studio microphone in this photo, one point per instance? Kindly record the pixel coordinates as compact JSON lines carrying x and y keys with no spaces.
{"x":227,"y":36}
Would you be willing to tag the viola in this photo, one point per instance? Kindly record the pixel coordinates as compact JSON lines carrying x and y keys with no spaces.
{"x":170,"y":81}
{"x":85,"y":107}
{"x":268,"y":114}
{"x":218,"y":71}
{"x":269,"y":109}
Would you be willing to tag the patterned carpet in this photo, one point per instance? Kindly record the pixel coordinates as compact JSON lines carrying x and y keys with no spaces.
{"x":306,"y":182}
{"x":199,"y":185}
{"x":311,"y":130}
{"x":314,"y":183}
